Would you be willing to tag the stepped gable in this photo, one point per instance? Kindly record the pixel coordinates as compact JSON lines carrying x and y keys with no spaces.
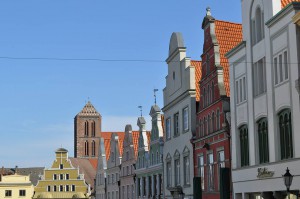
{"x":88,"y":110}
{"x":198,"y":74}
{"x":287,"y":2}
{"x":107,"y":136}
{"x":228,"y":36}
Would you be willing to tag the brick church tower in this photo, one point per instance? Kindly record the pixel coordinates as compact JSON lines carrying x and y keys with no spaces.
{"x":87,"y":128}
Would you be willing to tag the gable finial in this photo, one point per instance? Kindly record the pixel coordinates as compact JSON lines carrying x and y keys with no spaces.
{"x":155,"y":90}
{"x":141,"y":109}
{"x":208,"y":11}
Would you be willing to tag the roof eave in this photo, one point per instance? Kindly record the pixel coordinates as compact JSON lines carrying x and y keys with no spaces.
{"x":237,"y":48}
{"x":283,"y":12}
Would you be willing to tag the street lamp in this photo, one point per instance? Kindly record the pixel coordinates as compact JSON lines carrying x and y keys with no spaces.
{"x":288,"y":179}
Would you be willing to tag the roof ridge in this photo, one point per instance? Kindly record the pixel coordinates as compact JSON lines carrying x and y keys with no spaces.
{"x":228,"y":22}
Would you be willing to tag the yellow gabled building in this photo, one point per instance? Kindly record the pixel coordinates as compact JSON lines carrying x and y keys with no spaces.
{"x":62,"y":180}
{"x":16,"y":186}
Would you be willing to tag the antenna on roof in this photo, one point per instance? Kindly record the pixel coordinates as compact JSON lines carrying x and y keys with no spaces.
{"x":155,"y":90}
{"x":141,"y":109}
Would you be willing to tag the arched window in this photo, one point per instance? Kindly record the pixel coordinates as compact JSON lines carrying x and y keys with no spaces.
{"x":93,"y":148}
{"x":207,"y":64}
{"x":204,"y":97}
{"x":205,"y":126}
{"x":218,"y":120}
{"x":213,"y":122}
{"x":262,"y":130}
{"x":86,"y":148}
{"x":285,"y":130}
{"x":208,"y":94}
{"x":258,"y":26}
{"x":93,"y":129}
{"x":86,"y":128}
{"x":244,"y":145}
{"x":212,"y":91}
{"x":208,"y":124}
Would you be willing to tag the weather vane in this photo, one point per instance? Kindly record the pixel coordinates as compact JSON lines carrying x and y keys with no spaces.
{"x":155,"y":90}
{"x":141,"y":109}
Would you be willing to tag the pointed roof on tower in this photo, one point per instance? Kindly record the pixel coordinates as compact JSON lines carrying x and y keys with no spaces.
{"x":88,"y":110}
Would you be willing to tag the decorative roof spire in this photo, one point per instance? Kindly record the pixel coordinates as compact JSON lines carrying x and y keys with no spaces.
{"x":88,"y":110}
{"x":141,"y":110}
{"x":208,"y":11}
{"x":155,"y":90}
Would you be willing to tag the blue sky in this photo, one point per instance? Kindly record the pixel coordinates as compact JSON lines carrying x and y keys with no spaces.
{"x":39,"y":98}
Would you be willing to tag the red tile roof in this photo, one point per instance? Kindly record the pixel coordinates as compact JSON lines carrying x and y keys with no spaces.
{"x":86,"y":168}
{"x":198,"y":74}
{"x":148,"y":138}
{"x":135,"y":140}
{"x":286,"y":2}
{"x":94,"y":162}
{"x":107,"y":136}
{"x":228,"y":36}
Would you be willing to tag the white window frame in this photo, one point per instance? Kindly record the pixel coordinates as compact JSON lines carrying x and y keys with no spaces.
{"x":185,"y":118}
{"x":168,"y":128}
{"x":259,"y":78}
{"x":281,"y":67}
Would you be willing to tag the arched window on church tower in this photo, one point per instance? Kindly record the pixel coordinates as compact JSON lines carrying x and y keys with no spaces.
{"x":93,"y":129}
{"x":93,"y":148}
{"x":86,"y":128}
{"x":86,"y":148}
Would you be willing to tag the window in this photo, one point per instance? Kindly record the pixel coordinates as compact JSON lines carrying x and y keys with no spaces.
{"x":212,"y":91}
{"x":61,"y":166}
{"x":93,"y":148}
{"x":54,"y":177}
{"x":201,"y":170}
{"x":262,"y":130}
{"x":210,"y":171}
{"x":54,"y":188}
{"x":61,"y":176}
{"x":112,"y":195}
{"x":204,"y":98}
{"x":67,"y":176}
{"x":127,"y":170}
{"x":208,"y":124}
{"x":157,"y":158}
{"x":93,"y":129}
{"x":177,"y":171}
{"x":48,"y":188}
{"x":112,"y":178}
{"x":61,"y":188}
{"x":213,"y":122}
{"x":244,"y":145}
{"x":218,"y":120}
{"x":168,"y":128}
{"x":286,"y":138}
{"x":176,"y":124}
{"x":169,"y":173}
{"x":207,"y":64}
{"x":221,"y":163}
{"x":208,"y":94}
{"x":86,"y":148}
{"x":205,"y":126}
{"x":186,"y":119}
{"x":8,"y":193}
{"x":240,"y":88}
{"x":128,"y":191}
{"x":86,"y":128}
{"x":73,"y":187}
{"x":259,"y":75}
{"x":281,"y":67}
{"x":186,"y":161}
{"x":258,"y":26}
{"x":67,"y":188}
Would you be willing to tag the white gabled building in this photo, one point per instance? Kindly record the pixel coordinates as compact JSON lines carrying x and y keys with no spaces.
{"x":265,"y":112}
{"x":180,"y":120}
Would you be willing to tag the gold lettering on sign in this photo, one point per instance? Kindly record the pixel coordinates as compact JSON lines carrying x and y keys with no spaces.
{"x":264,"y":173}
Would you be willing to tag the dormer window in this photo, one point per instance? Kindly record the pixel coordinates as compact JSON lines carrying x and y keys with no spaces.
{"x":258,"y":26}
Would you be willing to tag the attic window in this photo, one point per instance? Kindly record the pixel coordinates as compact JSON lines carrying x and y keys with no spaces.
{"x":173,"y":75}
{"x":61,"y":166}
